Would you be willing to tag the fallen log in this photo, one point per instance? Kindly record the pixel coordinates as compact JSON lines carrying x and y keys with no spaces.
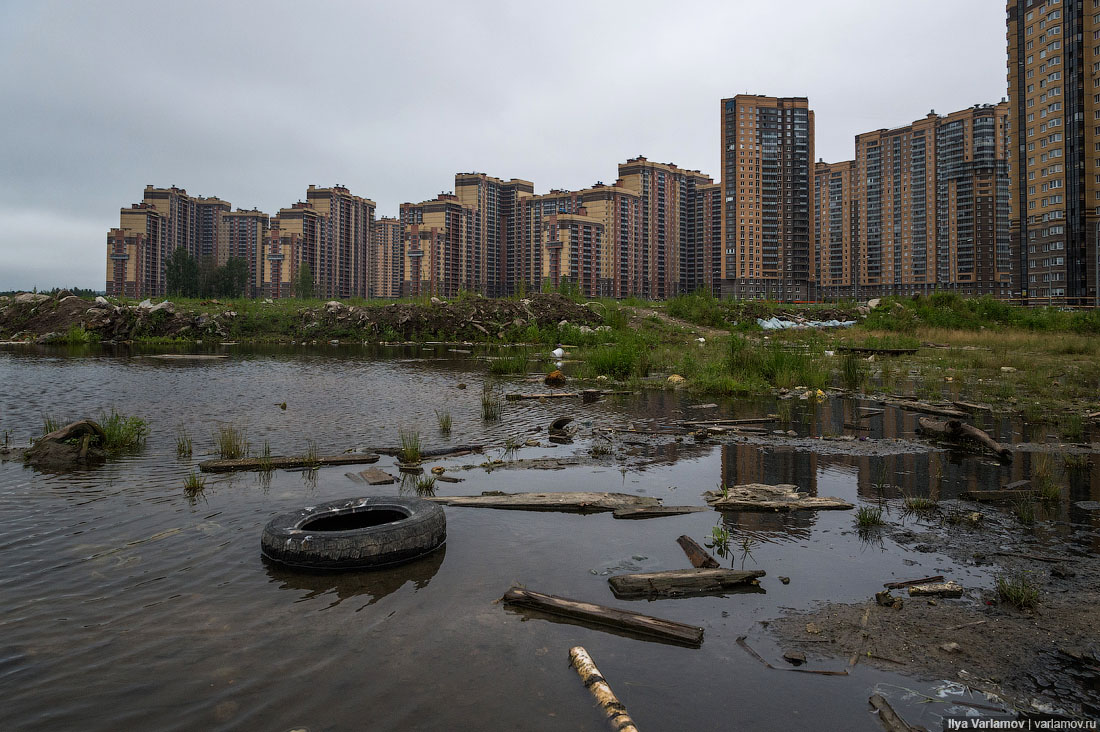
{"x":600,"y":615}
{"x":576,"y":501}
{"x":276,"y":462}
{"x":548,"y":395}
{"x":656,"y":511}
{"x":680,"y":582}
{"x":595,"y":682}
{"x":928,"y":408}
{"x":908,"y":583}
{"x":696,"y":554}
{"x":957,"y":431}
{"x":971,"y":407}
{"x":762,"y":497}
{"x":888,"y":717}
{"x":942,"y":589}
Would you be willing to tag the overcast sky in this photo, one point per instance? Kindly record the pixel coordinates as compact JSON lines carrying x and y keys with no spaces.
{"x":253,"y":101}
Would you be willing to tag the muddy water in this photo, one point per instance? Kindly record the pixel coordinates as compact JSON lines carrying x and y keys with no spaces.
{"x":125,"y":605}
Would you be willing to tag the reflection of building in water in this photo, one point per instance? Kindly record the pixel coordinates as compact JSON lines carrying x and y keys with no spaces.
{"x":756,"y":464}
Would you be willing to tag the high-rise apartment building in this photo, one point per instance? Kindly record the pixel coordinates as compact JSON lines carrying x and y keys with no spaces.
{"x":1054,"y":118}
{"x":671,"y":222}
{"x":436,"y":236}
{"x":344,"y":260}
{"x":242,"y":237}
{"x":836,"y":229}
{"x":493,"y":205}
{"x":767,"y":223}
{"x":573,"y":245}
{"x":387,"y":258}
{"x":932,"y":203}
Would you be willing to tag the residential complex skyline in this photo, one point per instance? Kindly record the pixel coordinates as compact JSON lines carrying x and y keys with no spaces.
{"x":925,"y":206}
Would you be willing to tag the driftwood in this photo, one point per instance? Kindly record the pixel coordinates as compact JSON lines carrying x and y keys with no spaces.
{"x":724,"y":422}
{"x":762,"y":497}
{"x":448,"y":479}
{"x":697,"y":555}
{"x":957,"y":431}
{"x":909,"y":583}
{"x":621,"y":620}
{"x":276,"y":462}
{"x":971,"y":407}
{"x":680,"y":582}
{"x":748,"y":649}
{"x":877,"y":351}
{"x":942,"y":589}
{"x":595,"y":682}
{"x":656,"y":511}
{"x":889,"y":718}
{"x":564,"y":501}
{"x":913,"y":406}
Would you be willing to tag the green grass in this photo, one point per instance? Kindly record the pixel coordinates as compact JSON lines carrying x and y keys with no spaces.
{"x":444,"y":419}
{"x":77,"y":335}
{"x":853,"y":372}
{"x":1024,"y":510}
{"x":868,"y":517}
{"x":920,"y":504}
{"x":230,"y":442}
{"x":617,"y":361}
{"x":776,"y":365}
{"x":1076,"y":462}
{"x":951,"y":311}
{"x":492,"y":404}
{"x":52,"y":423}
{"x":719,"y":540}
{"x":194,"y":483}
{"x":515,"y":363}
{"x":183,"y":443}
{"x":425,"y":485}
{"x":121,"y":432}
{"x":511,"y":447}
{"x":700,"y":308}
{"x":266,"y":465}
{"x":410,"y":446}
{"x":1018,"y":591}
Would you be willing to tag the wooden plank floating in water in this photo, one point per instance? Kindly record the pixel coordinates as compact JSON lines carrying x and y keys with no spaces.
{"x":680,"y":582}
{"x":548,"y":395}
{"x":454,"y":451}
{"x":762,"y":497}
{"x":575,"y":501}
{"x":276,"y":462}
{"x":377,"y":476}
{"x":697,"y":555}
{"x":600,"y":615}
{"x":656,"y":511}
{"x":927,"y":408}
{"x":188,"y":356}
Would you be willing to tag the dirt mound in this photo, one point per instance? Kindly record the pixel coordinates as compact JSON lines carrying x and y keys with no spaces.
{"x":73,"y":319}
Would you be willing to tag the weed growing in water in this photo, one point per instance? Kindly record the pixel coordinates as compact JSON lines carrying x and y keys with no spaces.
{"x":719,"y":541}
{"x":492,"y":405}
{"x":1076,"y":462}
{"x":230,"y":442}
{"x":1073,"y":427}
{"x":747,"y":545}
{"x":511,"y":446}
{"x":193,"y":484}
{"x":183,"y":443}
{"x":121,"y":432}
{"x":1024,"y":510}
{"x":1018,"y":591}
{"x":410,"y":446}
{"x":1046,"y":489}
{"x":868,"y":517}
{"x":513,"y":364}
{"x":920,"y":504}
{"x":266,"y":465}
{"x":425,"y":485}
{"x":443,"y":417}
{"x":853,"y":372}
{"x":51,"y":423}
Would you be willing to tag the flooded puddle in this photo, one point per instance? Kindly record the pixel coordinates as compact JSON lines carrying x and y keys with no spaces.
{"x":129,"y":605}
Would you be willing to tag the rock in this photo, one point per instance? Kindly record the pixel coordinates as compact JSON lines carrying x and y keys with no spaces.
{"x":885,"y":598}
{"x":951,"y":647}
{"x":436,"y":301}
{"x":461,"y":386}
{"x":785,"y":580}
{"x":795,"y":658}
{"x":1008,"y":370}
{"x":874,"y":303}
{"x":555,"y":378}
{"x":165,"y":306}
{"x":62,"y":294}
{"x":1088,"y":505}
{"x":812,"y":629}
{"x":30,"y":297}
{"x":72,"y":446}
{"x":145,"y":304}
{"x":48,"y":338}
{"x":676,"y":379}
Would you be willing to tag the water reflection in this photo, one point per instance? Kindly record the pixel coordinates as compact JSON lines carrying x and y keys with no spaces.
{"x":372,"y":585}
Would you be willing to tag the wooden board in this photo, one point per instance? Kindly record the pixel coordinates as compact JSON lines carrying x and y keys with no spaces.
{"x":377,"y":476}
{"x":680,"y":582}
{"x":656,"y":511}
{"x":602,"y":616}
{"x":696,"y":554}
{"x":763,"y":497}
{"x":565,"y":501}
{"x":276,"y":462}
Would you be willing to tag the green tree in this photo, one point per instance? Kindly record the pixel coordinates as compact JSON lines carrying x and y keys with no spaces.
{"x":182,"y":274}
{"x":303,"y":283}
{"x":234,"y":277}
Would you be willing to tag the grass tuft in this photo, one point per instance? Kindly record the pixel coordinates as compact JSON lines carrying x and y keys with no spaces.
{"x":230,"y":442}
{"x":1024,"y":510}
{"x":1018,"y":591}
{"x":425,"y":485}
{"x":183,"y":443}
{"x":492,"y":405}
{"x":920,"y":504}
{"x":410,"y":446}
{"x":121,"y":432}
{"x":515,"y":363}
{"x":869,"y":516}
{"x":444,"y":419}
{"x":194,"y":483}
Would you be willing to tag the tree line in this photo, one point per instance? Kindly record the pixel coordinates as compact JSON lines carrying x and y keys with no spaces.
{"x":204,"y":277}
